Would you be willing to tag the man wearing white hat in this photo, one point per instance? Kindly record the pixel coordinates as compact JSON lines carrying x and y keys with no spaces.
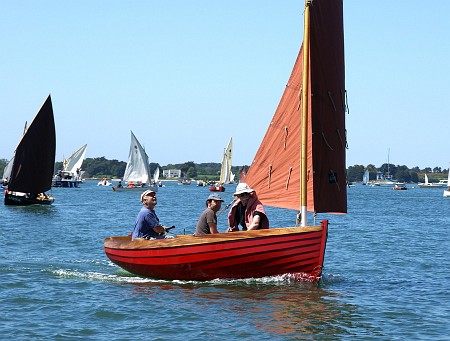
{"x":207,"y":224}
{"x":247,"y":211}
{"x":147,"y":222}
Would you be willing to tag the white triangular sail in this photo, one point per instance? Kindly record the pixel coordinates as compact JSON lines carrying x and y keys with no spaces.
{"x":137,"y":169}
{"x":366,"y":177}
{"x":156,"y":175}
{"x":74,"y":162}
{"x":8,"y":169}
{"x":225,"y":170}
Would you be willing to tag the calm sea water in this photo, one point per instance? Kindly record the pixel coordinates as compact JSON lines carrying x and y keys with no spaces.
{"x":386,"y":275}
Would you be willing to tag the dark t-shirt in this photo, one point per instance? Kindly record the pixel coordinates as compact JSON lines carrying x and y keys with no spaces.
{"x":240,"y":216}
{"x":208,"y":216}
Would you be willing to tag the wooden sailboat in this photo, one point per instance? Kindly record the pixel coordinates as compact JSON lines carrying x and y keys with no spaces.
{"x":225,"y":169}
{"x":300,"y":165}
{"x":34,"y":160}
{"x":137,"y":172}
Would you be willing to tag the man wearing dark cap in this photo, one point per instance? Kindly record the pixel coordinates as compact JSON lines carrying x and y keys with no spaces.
{"x":207,"y":224}
{"x":147,"y":223}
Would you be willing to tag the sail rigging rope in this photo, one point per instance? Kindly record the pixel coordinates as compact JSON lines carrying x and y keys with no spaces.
{"x":326,"y":142}
{"x":288,"y":178}
{"x":270,"y":176}
{"x":299,"y":99}
{"x":331,"y":99}
{"x":343,"y":143}
{"x":285,"y":137}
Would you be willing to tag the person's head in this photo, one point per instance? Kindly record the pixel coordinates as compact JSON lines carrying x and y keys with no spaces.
{"x":148,"y":199}
{"x":214,"y":202}
{"x":243,"y":192}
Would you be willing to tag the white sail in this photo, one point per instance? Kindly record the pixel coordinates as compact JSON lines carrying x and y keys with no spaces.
{"x":156,"y":175}
{"x":74,"y":162}
{"x":426,"y":179}
{"x":229,"y":157}
{"x":8,"y":169}
{"x":137,"y":169}
{"x":232,"y":175}
{"x":225,"y":169}
{"x":366,"y":177}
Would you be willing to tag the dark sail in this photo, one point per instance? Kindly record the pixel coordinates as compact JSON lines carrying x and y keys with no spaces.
{"x":34,"y":158}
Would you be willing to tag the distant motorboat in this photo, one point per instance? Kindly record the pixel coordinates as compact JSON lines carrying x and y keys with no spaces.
{"x":399,"y":187}
{"x":104,"y":182}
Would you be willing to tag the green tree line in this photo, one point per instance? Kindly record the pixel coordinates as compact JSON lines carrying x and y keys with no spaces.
{"x":400,"y":173}
{"x":101,"y":167}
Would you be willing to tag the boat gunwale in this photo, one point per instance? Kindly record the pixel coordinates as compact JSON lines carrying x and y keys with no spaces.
{"x":125,"y":242}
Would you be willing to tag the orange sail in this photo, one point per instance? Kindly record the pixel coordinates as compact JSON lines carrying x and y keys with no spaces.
{"x":275,"y":170}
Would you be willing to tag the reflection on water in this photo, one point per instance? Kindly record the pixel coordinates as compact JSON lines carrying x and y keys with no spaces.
{"x":271,"y":306}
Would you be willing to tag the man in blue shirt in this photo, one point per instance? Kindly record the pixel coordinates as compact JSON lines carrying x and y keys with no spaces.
{"x":147,"y":223}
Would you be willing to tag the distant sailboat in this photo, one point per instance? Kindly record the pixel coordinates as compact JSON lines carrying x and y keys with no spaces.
{"x":34,"y":160}
{"x":225,"y":169}
{"x":70,"y":176}
{"x":447,"y":191}
{"x":428,"y":184}
{"x":365,"y":179}
{"x":137,"y":171}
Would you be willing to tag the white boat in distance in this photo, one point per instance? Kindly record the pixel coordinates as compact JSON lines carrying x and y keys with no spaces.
{"x":365,"y":180}
{"x":70,"y":175}
{"x":428,"y":184}
{"x":447,"y":191}
{"x":137,"y":172}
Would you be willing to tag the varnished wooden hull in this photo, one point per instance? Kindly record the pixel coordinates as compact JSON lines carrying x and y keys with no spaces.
{"x":16,"y":200}
{"x":233,"y":255}
{"x":217,"y":189}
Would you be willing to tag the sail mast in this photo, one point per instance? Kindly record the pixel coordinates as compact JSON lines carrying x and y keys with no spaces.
{"x":305,"y":104}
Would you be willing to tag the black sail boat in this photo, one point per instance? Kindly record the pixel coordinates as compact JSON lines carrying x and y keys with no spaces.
{"x":34,"y":160}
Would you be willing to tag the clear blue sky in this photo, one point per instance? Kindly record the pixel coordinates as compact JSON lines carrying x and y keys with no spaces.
{"x":185,"y":76}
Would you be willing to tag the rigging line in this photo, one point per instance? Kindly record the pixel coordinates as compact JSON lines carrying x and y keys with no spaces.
{"x":345,"y":101}
{"x":343,"y":143}
{"x":299,"y":98}
{"x":331,"y":99}
{"x":285,"y":136}
{"x":270,"y":176}
{"x":326,"y":142}
{"x":333,"y":174}
{"x":288,"y":178}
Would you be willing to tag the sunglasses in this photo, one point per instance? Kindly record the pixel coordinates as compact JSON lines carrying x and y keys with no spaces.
{"x":243,"y":195}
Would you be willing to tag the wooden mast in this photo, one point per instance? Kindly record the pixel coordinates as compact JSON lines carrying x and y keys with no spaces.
{"x":305,"y":104}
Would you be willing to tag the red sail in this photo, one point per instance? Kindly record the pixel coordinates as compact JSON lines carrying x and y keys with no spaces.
{"x":275,"y":170}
